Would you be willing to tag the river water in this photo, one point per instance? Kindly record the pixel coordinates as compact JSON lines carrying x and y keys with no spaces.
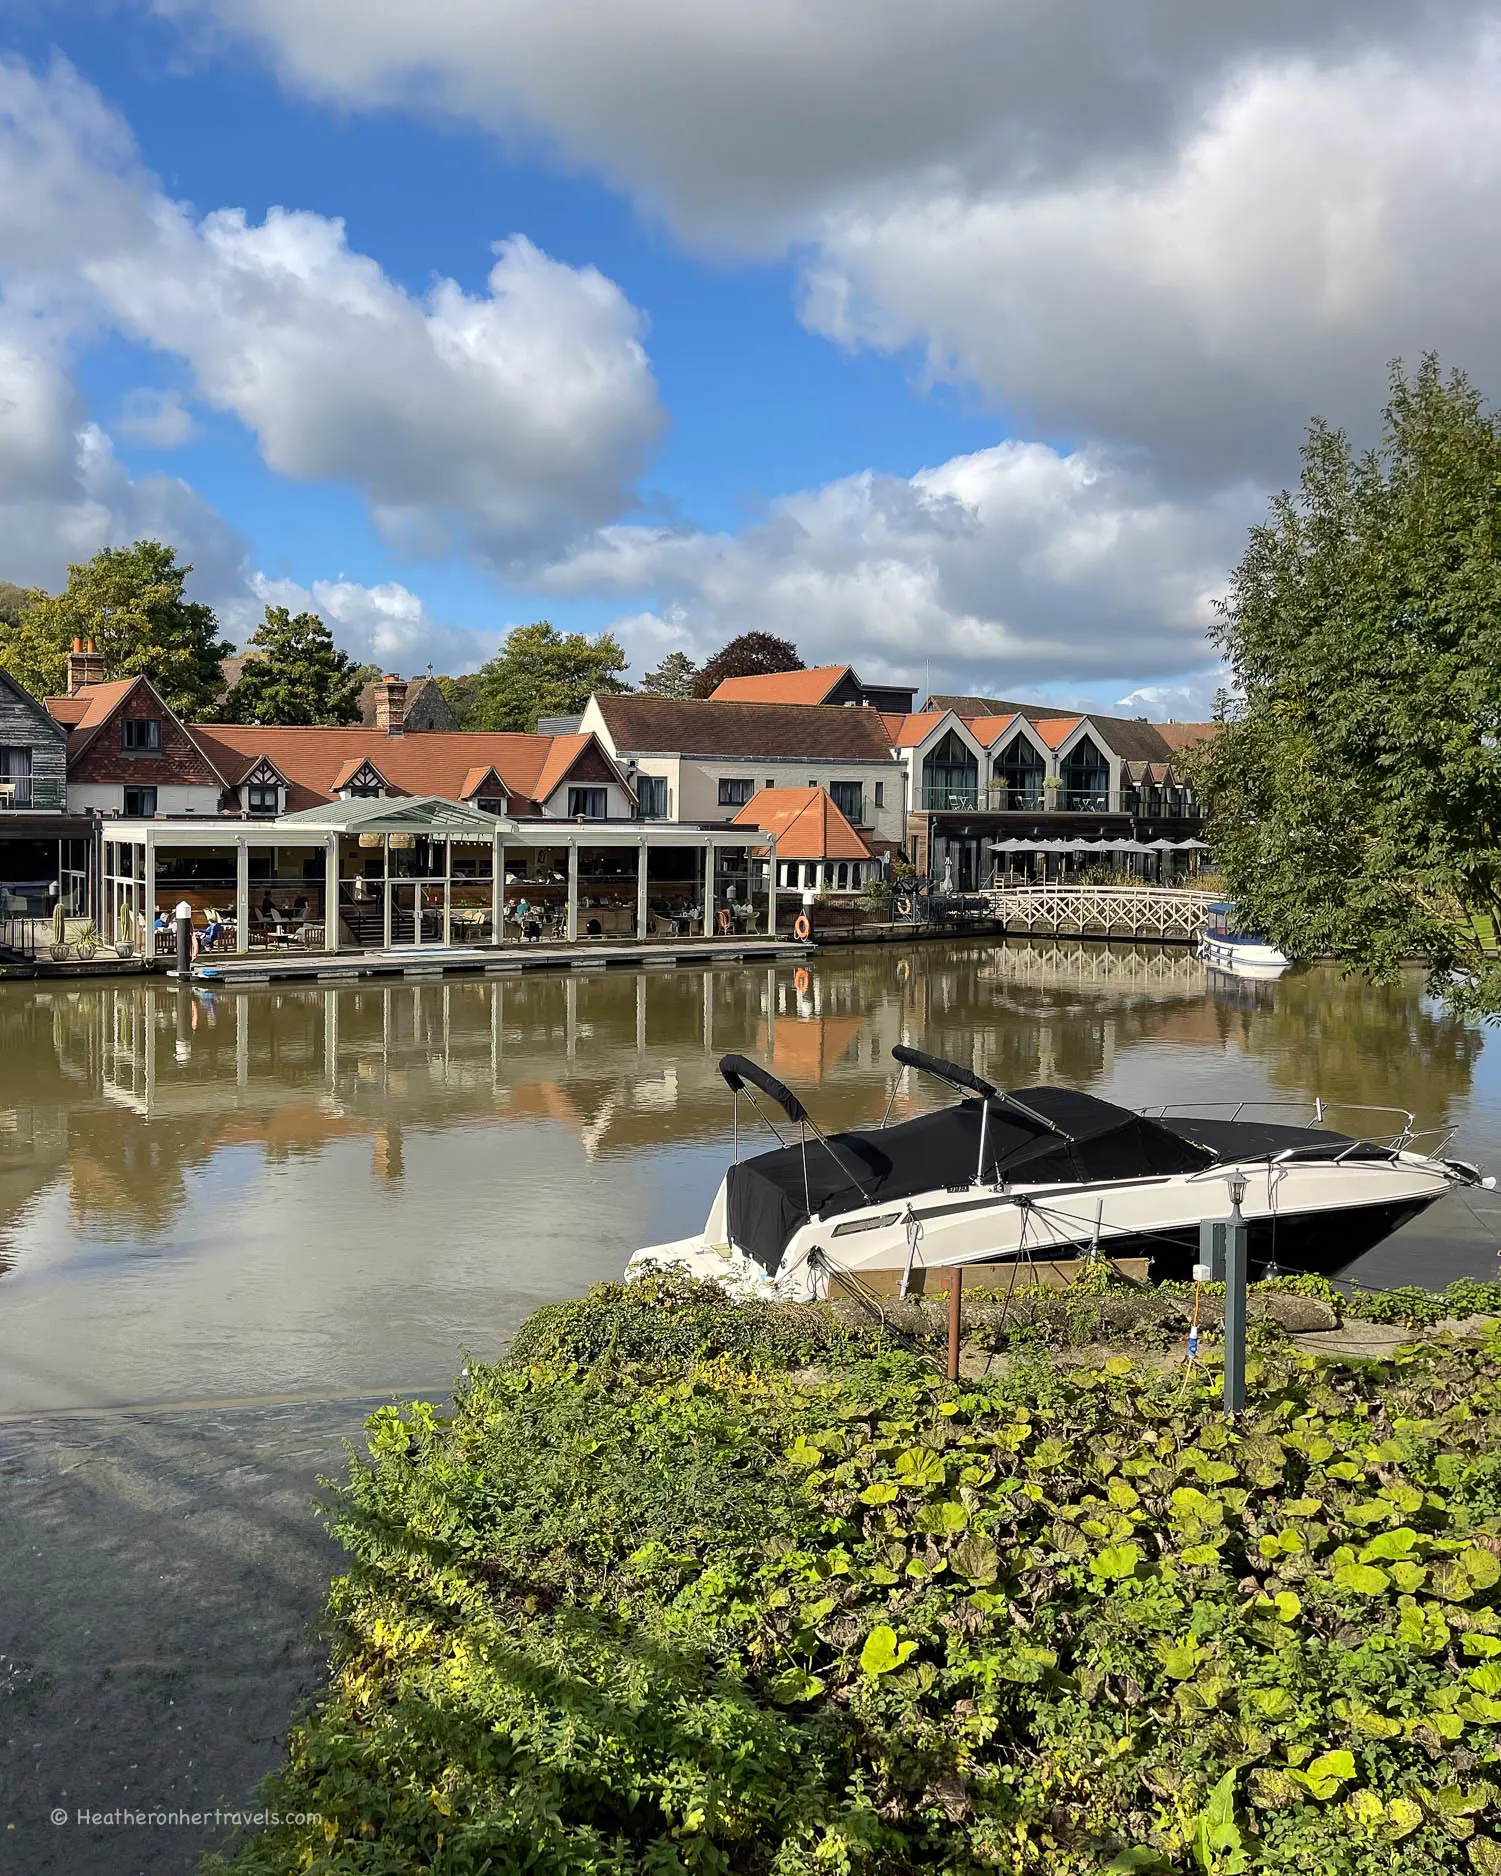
{"x":303,"y":1193}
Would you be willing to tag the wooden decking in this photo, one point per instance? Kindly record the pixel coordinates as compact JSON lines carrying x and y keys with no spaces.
{"x":265,"y":967}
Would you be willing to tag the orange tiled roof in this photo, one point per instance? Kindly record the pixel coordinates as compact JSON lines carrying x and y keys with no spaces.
{"x":805,"y":687}
{"x":989,"y":730}
{"x":906,"y":732}
{"x":806,"y":824}
{"x":317,"y":762}
{"x":1184,"y":735}
{"x":1055,"y":731}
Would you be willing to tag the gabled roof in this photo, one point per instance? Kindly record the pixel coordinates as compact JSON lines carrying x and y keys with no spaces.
{"x":806,"y":687}
{"x":410,"y":813}
{"x":988,"y":731}
{"x":744,"y":731}
{"x":90,"y":708}
{"x":1055,"y":731}
{"x":351,"y":768}
{"x":994,"y":707}
{"x":475,"y":780}
{"x":318,"y":762}
{"x":805,"y":822}
{"x":906,"y":732}
{"x":47,"y":719}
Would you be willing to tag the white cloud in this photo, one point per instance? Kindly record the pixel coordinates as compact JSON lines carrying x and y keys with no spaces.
{"x":155,"y":419}
{"x":743,"y":121}
{"x":1315,"y":223}
{"x":1192,"y":701}
{"x":1178,"y":227}
{"x":386,"y":624}
{"x":1011,"y":567}
{"x":501,"y":423}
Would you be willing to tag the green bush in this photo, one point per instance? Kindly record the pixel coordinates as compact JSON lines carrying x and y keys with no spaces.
{"x":635,"y":1608}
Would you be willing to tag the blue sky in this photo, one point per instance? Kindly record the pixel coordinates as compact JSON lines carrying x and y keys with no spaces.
{"x":923,"y":340}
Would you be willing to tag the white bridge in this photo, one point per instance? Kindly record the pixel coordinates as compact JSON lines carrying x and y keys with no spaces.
{"x":1174,"y":914}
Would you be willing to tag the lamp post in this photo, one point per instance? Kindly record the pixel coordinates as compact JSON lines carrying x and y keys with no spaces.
{"x":1224,"y":1257}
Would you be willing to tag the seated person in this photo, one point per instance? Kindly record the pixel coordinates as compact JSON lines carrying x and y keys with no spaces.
{"x":213,"y":928}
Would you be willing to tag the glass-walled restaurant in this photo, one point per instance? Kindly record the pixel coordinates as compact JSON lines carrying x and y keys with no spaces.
{"x":384,"y":874}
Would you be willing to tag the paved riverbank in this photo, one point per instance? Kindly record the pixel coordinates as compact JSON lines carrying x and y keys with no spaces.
{"x":164,"y":1574}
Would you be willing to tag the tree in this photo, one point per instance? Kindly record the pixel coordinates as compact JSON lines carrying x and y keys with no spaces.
{"x":752,"y":654}
{"x":673,"y":677}
{"x":541,"y":672}
{"x":131,"y":602}
{"x":1355,"y":790}
{"x":461,"y":695}
{"x":15,"y":600}
{"x":294,"y":674}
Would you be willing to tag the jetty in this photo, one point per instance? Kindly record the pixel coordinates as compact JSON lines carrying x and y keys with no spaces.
{"x":1162,"y":914}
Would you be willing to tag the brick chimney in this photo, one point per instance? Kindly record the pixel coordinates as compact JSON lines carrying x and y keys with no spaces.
{"x":391,"y":705}
{"x":85,"y":666}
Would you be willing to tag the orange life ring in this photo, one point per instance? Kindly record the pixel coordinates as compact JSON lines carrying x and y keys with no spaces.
{"x":800,"y":981}
{"x":725,"y":919}
{"x":803,"y":926}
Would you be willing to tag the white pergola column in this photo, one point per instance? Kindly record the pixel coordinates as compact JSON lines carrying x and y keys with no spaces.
{"x":641,"y":891}
{"x":573,"y":892}
{"x":331,"y":893}
{"x":385,"y":892}
{"x":242,"y":896}
{"x":771,"y":886}
{"x":708,"y":889}
{"x":497,"y":888}
{"x":148,"y":894}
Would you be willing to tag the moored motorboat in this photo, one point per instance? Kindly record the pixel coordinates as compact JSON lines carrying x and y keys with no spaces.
{"x":1223,"y":945}
{"x":1041,"y":1174}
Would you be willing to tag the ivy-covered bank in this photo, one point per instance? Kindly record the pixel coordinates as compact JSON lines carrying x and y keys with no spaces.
{"x":674,"y":1611}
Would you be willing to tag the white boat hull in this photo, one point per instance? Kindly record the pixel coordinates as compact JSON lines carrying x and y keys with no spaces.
{"x":1313,"y":1214}
{"x":1243,"y":957}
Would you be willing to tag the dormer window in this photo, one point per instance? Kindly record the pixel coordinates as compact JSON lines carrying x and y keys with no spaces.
{"x":491,"y":804}
{"x":263,"y":790}
{"x":141,"y":736}
{"x":366,"y":784}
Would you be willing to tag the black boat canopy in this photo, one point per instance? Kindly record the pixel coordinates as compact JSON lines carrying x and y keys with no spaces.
{"x":1036,"y":1136}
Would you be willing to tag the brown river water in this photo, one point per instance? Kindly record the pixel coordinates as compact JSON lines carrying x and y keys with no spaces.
{"x":303,"y":1193}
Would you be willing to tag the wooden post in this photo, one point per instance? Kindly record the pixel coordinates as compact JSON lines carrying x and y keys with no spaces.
{"x":956,"y":1286}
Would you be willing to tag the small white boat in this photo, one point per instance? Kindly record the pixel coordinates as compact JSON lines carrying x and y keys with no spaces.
{"x":1046,"y":1174}
{"x":1243,"y":954}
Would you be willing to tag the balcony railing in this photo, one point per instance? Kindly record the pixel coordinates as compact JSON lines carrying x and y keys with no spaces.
{"x":1001,"y":798}
{"x":32,"y":792}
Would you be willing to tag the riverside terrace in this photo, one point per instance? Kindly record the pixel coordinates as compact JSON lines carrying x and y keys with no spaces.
{"x":423,"y":871}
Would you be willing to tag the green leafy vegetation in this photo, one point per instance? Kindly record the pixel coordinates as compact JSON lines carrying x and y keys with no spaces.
{"x":294,"y":673}
{"x":132,"y":602}
{"x":541,"y":672}
{"x":733,"y":1613}
{"x":1355,"y":789}
{"x":750,"y":654}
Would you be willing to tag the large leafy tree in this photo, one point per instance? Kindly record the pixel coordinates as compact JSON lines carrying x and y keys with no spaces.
{"x":1355,"y":788}
{"x":542,"y":672}
{"x":131,"y":601}
{"x":295,"y":674}
{"x":461,"y":695}
{"x":15,"y":600}
{"x":675,"y":676}
{"x":752,"y":654}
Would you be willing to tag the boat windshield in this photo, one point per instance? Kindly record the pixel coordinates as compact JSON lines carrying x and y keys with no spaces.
{"x":1067,"y":1137}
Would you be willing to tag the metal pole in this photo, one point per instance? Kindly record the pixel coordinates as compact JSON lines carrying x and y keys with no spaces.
{"x":1236,"y":1246}
{"x":956,"y":1285}
{"x":184,"y":939}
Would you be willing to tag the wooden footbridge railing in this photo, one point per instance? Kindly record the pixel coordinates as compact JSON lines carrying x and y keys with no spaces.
{"x":1172,"y":914}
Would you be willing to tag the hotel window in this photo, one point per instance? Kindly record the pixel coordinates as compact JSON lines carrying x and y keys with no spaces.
{"x":771,"y":781}
{"x":142,"y":736}
{"x":843,"y":881}
{"x":735,"y":790}
{"x":263,"y":798}
{"x":491,"y":804}
{"x":880,"y":794}
{"x":140,"y":803}
{"x":591,"y":803}
{"x":651,"y":792}
{"x":849,"y":798}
